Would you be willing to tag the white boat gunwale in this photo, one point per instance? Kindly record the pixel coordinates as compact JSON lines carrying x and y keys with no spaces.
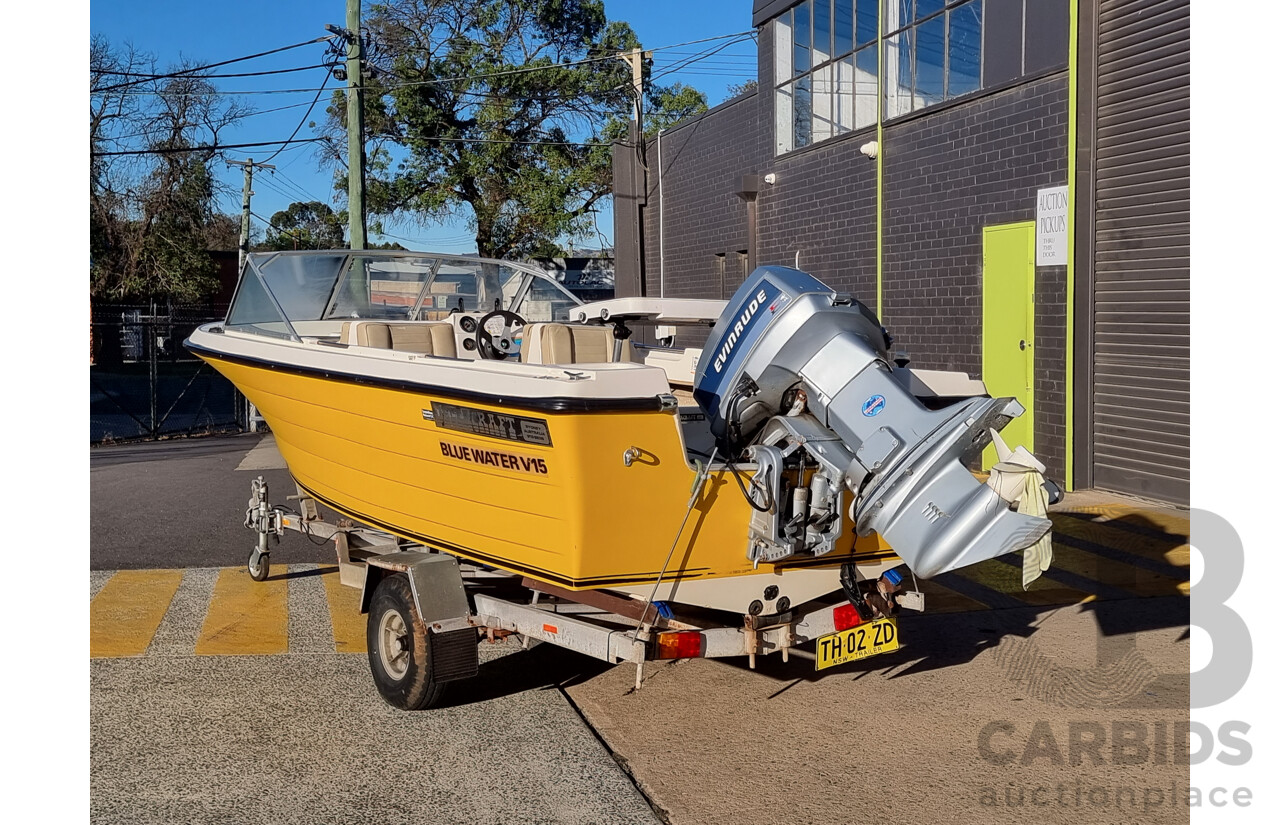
{"x":575,"y":390}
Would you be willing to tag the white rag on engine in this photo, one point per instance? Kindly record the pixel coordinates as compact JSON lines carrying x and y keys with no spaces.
{"x":1035,"y":502}
{"x":1019,"y":477}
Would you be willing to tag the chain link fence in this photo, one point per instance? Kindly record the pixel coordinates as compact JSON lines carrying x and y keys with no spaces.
{"x":144,"y":385}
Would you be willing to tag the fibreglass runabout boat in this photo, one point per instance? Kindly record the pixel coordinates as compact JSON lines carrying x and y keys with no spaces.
{"x":476,"y":408}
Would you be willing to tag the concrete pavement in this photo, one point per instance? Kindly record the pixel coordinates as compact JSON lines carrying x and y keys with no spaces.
{"x":306,"y":739}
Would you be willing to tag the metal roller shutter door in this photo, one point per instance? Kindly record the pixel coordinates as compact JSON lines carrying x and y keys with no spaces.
{"x":1142,"y":274}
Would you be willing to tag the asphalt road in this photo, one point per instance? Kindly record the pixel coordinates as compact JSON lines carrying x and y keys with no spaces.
{"x":181,"y":503}
{"x":1060,"y":704}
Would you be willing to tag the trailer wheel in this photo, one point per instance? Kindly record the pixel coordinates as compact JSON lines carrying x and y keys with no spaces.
{"x":399,"y":651}
{"x":262,"y":568}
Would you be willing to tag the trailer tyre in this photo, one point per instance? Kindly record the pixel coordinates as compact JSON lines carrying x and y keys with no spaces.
{"x":399,"y":650}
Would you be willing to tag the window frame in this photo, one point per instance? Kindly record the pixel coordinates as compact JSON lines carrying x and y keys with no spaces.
{"x":908,"y":31}
{"x":786,"y":77}
{"x":889,"y":103}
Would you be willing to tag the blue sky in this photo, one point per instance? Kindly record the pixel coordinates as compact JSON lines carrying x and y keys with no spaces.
{"x":207,"y":33}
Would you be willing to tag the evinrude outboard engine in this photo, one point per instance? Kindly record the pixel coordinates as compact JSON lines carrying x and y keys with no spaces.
{"x":799,"y":379}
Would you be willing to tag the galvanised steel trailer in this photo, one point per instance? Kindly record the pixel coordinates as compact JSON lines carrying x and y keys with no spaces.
{"x":428,"y":611}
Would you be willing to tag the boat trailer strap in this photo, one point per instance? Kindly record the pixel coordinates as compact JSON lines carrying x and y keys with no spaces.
{"x":620,"y":605}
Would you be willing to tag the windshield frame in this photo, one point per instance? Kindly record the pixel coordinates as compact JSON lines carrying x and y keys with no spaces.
{"x":258,"y":265}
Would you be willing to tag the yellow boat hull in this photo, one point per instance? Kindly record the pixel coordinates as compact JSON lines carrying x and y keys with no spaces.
{"x":569,"y":512}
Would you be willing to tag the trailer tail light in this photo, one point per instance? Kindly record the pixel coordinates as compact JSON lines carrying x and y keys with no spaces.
{"x":684,"y":644}
{"x":846,"y":616}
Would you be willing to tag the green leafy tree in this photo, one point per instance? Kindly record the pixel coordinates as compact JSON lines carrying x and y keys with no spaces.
{"x":666,"y":106}
{"x":311,"y":225}
{"x":499,"y":112}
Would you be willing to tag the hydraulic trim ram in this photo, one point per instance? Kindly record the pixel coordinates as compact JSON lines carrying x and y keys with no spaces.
{"x":798,"y":380}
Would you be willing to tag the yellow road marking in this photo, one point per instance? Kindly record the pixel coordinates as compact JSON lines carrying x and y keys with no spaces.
{"x":1173,"y":549}
{"x":1007,"y":579}
{"x":126,"y":613}
{"x":344,"y":613}
{"x":1115,"y":573}
{"x":1168,"y":522}
{"x":246,"y":617}
{"x":940,"y":599}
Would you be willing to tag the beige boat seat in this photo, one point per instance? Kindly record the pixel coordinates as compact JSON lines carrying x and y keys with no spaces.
{"x":552,"y":343}
{"x":420,"y":338}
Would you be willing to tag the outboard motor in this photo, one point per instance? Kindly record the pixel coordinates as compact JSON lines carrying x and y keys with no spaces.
{"x":798,"y":379}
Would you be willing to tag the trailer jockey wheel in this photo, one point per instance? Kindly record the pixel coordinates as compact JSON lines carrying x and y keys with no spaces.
{"x":259,"y":565}
{"x":493,"y":348}
{"x":399,"y":651}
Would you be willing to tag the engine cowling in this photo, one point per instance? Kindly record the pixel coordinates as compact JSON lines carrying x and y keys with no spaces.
{"x":793,"y":369}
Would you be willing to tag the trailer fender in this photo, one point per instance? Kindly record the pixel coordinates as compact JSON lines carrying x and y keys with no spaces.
{"x":436,"y":580}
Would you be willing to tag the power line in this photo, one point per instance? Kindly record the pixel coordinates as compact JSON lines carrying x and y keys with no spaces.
{"x":444,"y":80}
{"x":219,"y":147}
{"x":271,"y":184}
{"x":749,"y":33}
{"x":271,"y":224}
{"x":209,"y":148}
{"x":691,"y":60}
{"x":279,"y":177}
{"x":204,"y":76}
{"x":185,"y":72}
{"x":306,"y":115}
{"x":119,"y":138}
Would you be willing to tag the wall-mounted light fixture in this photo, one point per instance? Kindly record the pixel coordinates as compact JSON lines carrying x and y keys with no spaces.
{"x":870,"y":149}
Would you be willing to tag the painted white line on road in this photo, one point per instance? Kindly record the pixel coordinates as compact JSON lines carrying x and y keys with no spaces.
{"x":178,"y":631}
{"x":264,"y":456}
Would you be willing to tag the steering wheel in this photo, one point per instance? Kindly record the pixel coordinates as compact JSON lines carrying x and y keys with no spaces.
{"x":505,"y":344}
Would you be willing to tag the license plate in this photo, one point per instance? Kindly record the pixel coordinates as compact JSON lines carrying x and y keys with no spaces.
{"x":880,"y":636}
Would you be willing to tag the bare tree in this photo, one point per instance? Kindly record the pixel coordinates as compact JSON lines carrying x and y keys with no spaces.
{"x":151,"y":212}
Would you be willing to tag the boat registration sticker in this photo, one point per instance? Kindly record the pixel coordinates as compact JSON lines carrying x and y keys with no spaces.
{"x":500,"y":459}
{"x":492,"y":424}
{"x":880,"y":636}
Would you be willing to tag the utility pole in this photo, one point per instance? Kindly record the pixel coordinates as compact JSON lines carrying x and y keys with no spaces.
{"x":635,"y":59}
{"x":355,"y":127}
{"x":636,"y":173}
{"x":249,"y":166}
{"x":251,"y":412}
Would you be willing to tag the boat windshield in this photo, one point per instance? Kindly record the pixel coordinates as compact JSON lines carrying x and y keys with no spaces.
{"x":280,"y":290}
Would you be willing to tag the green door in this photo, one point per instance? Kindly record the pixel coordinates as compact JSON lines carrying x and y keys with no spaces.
{"x":1008,"y":324}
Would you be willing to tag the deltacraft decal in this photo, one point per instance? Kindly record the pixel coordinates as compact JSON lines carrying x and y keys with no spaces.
{"x":873,"y":405}
{"x":492,"y":424}
{"x":500,"y":459}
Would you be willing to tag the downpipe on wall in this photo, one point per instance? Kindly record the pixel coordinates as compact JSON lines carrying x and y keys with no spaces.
{"x":662,"y":209}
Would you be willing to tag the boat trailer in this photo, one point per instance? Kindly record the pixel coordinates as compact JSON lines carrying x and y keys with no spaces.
{"x":428,"y":610}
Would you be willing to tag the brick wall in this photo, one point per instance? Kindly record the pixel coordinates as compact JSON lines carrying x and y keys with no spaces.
{"x":702,"y":216}
{"x":947,"y":173}
{"x":822,"y":212}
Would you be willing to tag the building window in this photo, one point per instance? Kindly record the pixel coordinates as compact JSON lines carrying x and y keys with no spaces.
{"x":932,"y":53}
{"x":826,"y":61}
{"x":825,"y":70}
